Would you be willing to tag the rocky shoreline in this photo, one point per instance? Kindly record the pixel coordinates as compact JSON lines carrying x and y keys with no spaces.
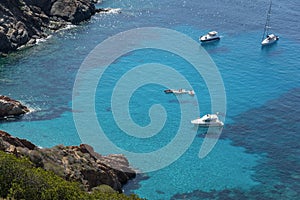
{"x":11,"y":108}
{"x":23,"y":22}
{"x":73,"y":163}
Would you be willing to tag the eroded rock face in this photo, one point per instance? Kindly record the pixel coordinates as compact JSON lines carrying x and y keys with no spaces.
{"x":45,"y":5}
{"x":79,"y":163}
{"x":23,"y":21}
{"x":73,"y":11}
{"x":10,"y":107}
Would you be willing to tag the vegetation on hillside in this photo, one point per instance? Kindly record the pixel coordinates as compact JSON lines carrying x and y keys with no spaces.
{"x":20,"y":179}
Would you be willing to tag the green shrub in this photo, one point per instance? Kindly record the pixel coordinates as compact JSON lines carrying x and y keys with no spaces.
{"x":19,"y":179}
{"x":103,"y":189}
{"x":10,"y":169}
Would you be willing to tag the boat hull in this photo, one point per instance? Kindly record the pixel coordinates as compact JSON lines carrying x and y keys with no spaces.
{"x":210,"y":36}
{"x":182,"y":91}
{"x":268,"y":42}
{"x":208,"y":120}
{"x":209,"y":39}
{"x":217,"y":124}
{"x":168,"y":91}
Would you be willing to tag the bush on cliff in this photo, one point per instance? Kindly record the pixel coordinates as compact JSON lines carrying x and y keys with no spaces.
{"x":19,"y":179}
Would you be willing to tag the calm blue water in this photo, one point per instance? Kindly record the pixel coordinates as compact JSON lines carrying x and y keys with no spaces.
{"x":258,"y":154}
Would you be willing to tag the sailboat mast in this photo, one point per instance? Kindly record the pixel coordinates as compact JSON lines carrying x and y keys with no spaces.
{"x":267,"y":25}
{"x":268,"y":18}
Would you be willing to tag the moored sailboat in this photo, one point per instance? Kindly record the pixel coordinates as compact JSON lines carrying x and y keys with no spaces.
{"x":268,"y":38}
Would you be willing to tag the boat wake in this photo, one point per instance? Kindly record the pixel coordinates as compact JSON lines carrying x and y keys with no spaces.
{"x":41,"y":40}
{"x":67,"y":27}
{"x":111,"y":11}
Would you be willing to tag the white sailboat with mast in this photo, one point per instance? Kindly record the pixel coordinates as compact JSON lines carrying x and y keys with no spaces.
{"x":268,"y":38}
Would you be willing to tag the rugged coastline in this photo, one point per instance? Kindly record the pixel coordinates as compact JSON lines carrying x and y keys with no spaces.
{"x":73,"y":163}
{"x":23,"y":22}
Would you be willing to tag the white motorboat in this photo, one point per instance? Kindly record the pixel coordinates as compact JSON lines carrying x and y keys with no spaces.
{"x":208,"y":120}
{"x":210,"y":36}
{"x":180,"y":91}
{"x":268,"y":38}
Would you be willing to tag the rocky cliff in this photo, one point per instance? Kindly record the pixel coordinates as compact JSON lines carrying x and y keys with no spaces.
{"x":22,"y":22}
{"x":79,"y":163}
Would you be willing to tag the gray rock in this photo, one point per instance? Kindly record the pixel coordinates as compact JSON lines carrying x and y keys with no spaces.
{"x":45,"y":5}
{"x":21,"y":20}
{"x":5,"y":44}
{"x":73,"y":11}
{"x":10,"y":107}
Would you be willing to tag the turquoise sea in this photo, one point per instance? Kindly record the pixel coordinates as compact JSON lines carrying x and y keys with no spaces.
{"x":257,"y":155}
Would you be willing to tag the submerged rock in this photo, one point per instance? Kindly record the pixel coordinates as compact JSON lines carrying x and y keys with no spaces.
{"x":11,"y":107}
{"x":76,"y":163}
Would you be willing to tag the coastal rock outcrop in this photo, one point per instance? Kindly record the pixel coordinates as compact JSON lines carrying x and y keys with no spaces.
{"x":76,"y":163}
{"x":24,"y":21}
{"x":11,"y":107}
{"x":72,"y":11}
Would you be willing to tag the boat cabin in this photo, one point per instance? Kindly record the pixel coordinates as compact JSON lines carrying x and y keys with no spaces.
{"x":212,"y":33}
